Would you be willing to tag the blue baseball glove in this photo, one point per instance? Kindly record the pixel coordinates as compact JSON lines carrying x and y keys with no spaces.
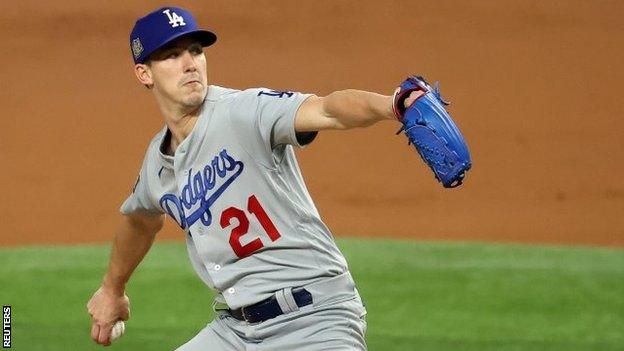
{"x":431,"y":129}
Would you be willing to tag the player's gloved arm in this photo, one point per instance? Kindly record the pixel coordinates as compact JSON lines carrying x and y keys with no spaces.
{"x":346,"y":109}
{"x":109,"y":303}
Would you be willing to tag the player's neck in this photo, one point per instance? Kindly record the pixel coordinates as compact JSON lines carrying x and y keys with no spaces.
{"x":180,"y":124}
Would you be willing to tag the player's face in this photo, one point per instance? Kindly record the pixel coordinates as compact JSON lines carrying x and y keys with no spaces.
{"x":178,"y":72}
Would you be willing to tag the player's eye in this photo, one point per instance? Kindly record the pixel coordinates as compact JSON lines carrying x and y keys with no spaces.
{"x":196,"y":49}
{"x":172,"y":54}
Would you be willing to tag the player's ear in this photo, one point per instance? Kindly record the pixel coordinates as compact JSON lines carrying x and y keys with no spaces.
{"x":144,"y":74}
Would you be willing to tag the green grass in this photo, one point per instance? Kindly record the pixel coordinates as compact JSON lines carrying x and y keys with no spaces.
{"x":420,"y":296}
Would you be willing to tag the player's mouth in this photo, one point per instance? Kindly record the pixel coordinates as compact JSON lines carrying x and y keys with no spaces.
{"x":190,"y":82}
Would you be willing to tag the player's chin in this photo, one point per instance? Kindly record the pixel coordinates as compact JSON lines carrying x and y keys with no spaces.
{"x":194,"y":98}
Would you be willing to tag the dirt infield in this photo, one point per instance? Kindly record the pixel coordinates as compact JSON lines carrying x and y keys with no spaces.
{"x":535,"y":87}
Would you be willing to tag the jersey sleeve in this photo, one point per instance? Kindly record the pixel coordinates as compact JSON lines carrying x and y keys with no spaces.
{"x":140,"y":200}
{"x":270,"y":114}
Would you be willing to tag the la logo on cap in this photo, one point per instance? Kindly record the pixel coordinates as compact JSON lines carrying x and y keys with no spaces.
{"x":174,"y":19}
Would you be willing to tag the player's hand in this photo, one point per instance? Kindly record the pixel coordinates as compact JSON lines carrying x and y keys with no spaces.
{"x":413,"y":96}
{"x":106,"y":307}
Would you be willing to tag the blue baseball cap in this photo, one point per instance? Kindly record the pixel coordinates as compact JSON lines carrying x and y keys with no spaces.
{"x":163,"y":26}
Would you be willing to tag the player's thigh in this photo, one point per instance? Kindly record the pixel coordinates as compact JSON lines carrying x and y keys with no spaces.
{"x":339,"y":326}
{"x":213,"y":337}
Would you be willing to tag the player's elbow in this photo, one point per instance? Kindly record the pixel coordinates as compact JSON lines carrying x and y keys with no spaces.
{"x":146,"y":222}
{"x":313,"y":116}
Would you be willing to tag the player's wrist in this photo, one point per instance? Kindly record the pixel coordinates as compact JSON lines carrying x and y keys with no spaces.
{"x":390,"y":112}
{"x":109,"y":286}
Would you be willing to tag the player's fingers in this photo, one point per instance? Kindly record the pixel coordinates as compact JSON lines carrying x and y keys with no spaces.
{"x":413,"y":97}
{"x":95,"y":332}
{"x":104,"y":336}
{"x":125,"y":315}
{"x":125,"y":311}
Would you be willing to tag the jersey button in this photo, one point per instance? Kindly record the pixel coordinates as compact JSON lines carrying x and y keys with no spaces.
{"x":217,"y":267}
{"x":231,"y":290}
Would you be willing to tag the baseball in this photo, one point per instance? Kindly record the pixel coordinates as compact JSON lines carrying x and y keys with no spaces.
{"x":118,"y":330}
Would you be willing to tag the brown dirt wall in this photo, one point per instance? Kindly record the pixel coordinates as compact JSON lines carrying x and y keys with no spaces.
{"x":535,"y":87}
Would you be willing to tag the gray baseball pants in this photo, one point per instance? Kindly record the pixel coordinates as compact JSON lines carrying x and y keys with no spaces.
{"x":334,"y":321}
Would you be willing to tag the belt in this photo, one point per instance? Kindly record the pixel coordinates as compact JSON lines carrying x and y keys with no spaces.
{"x":269,"y":308}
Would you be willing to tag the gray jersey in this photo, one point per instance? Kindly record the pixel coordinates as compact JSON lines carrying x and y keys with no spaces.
{"x":235,"y":187}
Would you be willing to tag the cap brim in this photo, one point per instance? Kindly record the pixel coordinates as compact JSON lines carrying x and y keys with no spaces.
{"x":206,"y":38}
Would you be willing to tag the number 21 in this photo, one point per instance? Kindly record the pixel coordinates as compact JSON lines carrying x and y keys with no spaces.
{"x":254,"y":207}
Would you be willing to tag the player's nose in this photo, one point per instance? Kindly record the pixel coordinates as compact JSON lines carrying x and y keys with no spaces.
{"x":188,"y":61}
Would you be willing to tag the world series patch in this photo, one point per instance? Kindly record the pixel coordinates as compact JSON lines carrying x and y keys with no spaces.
{"x":137,"y":47}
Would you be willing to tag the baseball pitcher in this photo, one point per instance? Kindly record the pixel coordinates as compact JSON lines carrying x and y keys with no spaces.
{"x":223,"y":167}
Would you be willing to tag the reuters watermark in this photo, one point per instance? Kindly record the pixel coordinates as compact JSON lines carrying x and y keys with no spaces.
{"x":6,"y":327}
